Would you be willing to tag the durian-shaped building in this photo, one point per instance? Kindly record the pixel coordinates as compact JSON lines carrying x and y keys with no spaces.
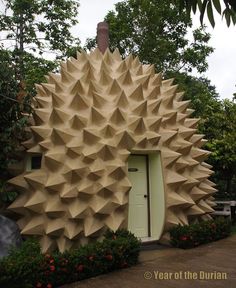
{"x":102,"y":126}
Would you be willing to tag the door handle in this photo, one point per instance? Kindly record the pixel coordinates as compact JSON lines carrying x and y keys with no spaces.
{"x":145,"y":196}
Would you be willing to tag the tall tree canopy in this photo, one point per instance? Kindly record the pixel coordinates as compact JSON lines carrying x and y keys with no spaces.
{"x":156,"y":31}
{"x":28,"y":28}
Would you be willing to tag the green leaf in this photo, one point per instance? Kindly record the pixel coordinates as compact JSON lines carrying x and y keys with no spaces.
{"x":210,"y":14}
{"x":227,"y":15}
{"x":194,"y":6}
{"x":217,"y":5}
{"x":203,"y":8}
{"x":199,"y":3}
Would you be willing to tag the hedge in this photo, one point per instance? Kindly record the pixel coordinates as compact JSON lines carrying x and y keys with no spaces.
{"x":189,"y":236}
{"x":27,"y":267}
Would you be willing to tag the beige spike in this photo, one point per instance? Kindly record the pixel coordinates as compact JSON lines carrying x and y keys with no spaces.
{"x":35,"y":226}
{"x":53,"y":183}
{"x":107,"y":152}
{"x":78,"y":103}
{"x":91,"y":225}
{"x":122,"y":100}
{"x":154,"y":94}
{"x":116,"y":55}
{"x":175,"y":199}
{"x":125,"y":78}
{"x":138,"y":126}
{"x":191,"y":122}
{"x":72,"y":230}
{"x":108,"y":131}
{"x":175,"y":178}
{"x":137,"y":94}
{"x":41,"y":132}
{"x":65,"y":137}
{"x":19,"y":181}
{"x":41,"y":116}
{"x":77,"y":88}
{"x":154,"y":106}
{"x":118,"y":116}
{"x":181,"y":164}
{"x":78,"y":122}
{"x":194,"y":210}
{"x":170,"y":157}
{"x":205,"y":207}
{"x":96,"y":116}
{"x":98,"y":100}
{"x":182,"y":106}
{"x":115,"y":88}
{"x":154,"y":123}
{"x":90,"y":118}
{"x":36,"y":178}
{"x":90,"y":136}
{"x":63,"y":244}
{"x":54,"y":227}
{"x":122,"y":67}
{"x":197,"y":193}
{"x":58,"y":116}
{"x":125,"y":140}
{"x":141,"y":109}
{"x":54,"y":209}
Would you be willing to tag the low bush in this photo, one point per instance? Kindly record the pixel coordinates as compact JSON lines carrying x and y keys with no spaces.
{"x":27,"y":267}
{"x":189,"y":236}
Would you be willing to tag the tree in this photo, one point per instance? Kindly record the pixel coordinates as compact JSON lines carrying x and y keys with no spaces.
{"x":32,"y":27}
{"x":223,"y":148}
{"x":38,"y":26}
{"x":156,"y":31}
{"x":228,"y":12}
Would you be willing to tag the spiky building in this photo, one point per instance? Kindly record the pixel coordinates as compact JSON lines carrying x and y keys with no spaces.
{"x":102,"y":126}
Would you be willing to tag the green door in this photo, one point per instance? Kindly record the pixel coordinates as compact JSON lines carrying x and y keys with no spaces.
{"x":138,"y":196}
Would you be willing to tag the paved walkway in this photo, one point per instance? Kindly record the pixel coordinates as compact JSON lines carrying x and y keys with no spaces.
{"x":202,"y":267}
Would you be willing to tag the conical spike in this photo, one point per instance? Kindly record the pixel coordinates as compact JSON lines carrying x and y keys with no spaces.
{"x":90,"y":136}
{"x":96,"y":117}
{"x":141,"y":109}
{"x":137,"y":94}
{"x":122,"y":100}
{"x":78,"y":122}
{"x":126,"y":78}
{"x":117,"y":117}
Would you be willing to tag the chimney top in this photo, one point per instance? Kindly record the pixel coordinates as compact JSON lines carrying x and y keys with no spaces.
{"x":102,"y":36}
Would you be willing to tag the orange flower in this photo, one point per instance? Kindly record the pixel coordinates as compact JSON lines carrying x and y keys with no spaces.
{"x":80,"y":268}
{"x":109,"y":257}
{"x":52,"y":268}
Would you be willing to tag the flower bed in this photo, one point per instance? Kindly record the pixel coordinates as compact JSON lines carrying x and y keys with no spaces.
{"x":189,"y":236}
{"x":28,"y":267}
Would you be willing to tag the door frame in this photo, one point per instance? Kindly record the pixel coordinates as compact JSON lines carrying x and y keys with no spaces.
{"x":148,"y":191}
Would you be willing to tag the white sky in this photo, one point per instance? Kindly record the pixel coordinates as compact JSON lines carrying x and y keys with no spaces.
{"x":222,"y":62}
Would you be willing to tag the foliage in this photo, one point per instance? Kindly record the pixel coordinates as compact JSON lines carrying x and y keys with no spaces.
{"x":40,"y":25}
{"x":228,"y":12}
{"x":156,"y":32}
{"x":28,"y":28}
{"x":28,"y":267}
{"x":11,"y":118}
{"x":189,"y":236}
{"x":223,"y":148}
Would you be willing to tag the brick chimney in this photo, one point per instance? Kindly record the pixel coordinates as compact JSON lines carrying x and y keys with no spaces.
{"x":102,"y":36}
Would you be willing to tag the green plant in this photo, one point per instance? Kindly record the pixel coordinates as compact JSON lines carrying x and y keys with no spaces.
{"x":189,"y":236}
{"x":28,"y":267}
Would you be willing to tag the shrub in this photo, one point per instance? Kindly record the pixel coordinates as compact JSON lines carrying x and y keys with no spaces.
{"x":189,"y":236}
{"x":28,"y":267}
